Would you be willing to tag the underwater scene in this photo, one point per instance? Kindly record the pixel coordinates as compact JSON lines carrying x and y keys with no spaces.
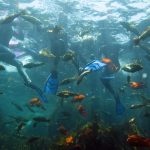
{"x":74,"y":75}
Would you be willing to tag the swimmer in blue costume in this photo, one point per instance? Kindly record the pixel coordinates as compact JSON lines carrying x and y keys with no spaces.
{"x":108,"y":69}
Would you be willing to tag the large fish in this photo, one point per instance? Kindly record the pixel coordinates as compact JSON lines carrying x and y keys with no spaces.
{"x":33,"y":64}
{"x":32,"y":139}
{"x":133,"y":67}
{"x":41,"y":119}
{"x":138,"y":141}
{"x":145,"y":103}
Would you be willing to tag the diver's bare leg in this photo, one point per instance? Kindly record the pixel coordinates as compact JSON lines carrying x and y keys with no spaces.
{"x":25,"y":76}
{"x":27,"y":80}
{"x":7,"y":56}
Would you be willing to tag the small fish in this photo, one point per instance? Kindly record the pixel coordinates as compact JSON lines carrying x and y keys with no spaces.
{"x":46,"y":53}
{"x":33,"y":64}
{"x":32,"y":139}
{"x":78,"y":98}
{"x":35,"y":102}
{"x":138,"y":141}
{"x":132,"y":120}
{"x":66,"y":94}
{"x":67,"y":81}
{"x":82,"y":75}
{"x":137,"y":106}
{"x":133,"y":67}
{"x":2,"y":68}
{"x":41,"y":119}
{"x":20,"y":126}
{"x":18,"y":107}
{"x":137,"y":85}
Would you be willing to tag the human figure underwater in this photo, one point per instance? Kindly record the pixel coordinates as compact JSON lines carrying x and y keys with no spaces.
{"x":107,"y":69}
{"x":58,"y":42}
{"x":7,"y":56}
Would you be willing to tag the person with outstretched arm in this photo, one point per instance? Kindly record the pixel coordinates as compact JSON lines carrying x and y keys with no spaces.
{"x":7,"y":56}
{"x":107,"y":69}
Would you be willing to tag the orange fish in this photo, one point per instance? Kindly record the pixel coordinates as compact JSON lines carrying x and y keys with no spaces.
{"x":137,"y":85}
{"x":106,"y":60}
{"x":81,"y":110}
{"x":35,"y":102}
{"x":62,"y":130}
{"x":110,"y":65}
{"x":78,"y":98}
{"x":136,"y":140}
{"x":69,"y":140}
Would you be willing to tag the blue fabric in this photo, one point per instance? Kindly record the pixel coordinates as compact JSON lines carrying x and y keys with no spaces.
{"x":51,"y":85}
{"x":95,"y":65}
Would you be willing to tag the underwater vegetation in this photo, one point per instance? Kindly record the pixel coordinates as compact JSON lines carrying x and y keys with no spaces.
{"x":93,"y":135}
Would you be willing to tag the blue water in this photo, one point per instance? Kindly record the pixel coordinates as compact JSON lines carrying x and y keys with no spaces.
{"x":92,"y":29}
